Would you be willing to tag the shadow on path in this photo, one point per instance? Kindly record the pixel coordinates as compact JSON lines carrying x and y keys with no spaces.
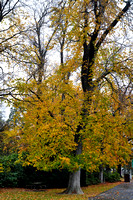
{"x":124,"y":191}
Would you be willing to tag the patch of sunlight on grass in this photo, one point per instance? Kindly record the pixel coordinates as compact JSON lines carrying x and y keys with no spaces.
{"x":53,"y":194}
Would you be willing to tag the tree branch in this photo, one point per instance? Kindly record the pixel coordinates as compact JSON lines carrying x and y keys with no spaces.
{"x":113,"y":24}
{"x":103,"y":75}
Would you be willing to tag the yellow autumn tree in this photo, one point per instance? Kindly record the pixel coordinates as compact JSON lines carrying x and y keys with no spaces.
{"x":88,"y":127}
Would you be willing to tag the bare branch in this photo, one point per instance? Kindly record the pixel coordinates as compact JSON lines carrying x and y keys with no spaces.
{"x":6,"y":7}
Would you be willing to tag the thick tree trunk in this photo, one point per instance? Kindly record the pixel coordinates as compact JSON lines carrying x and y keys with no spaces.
{"x":74,"y":184}
{"x":74,"y":178}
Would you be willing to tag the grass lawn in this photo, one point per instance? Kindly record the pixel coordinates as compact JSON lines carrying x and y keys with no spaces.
{"x":52,"y":194}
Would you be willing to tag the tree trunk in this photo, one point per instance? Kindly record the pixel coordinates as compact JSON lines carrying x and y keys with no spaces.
{"x":119,"y":170}
{"x":74,"y":184}
{"x":101,"y":176}
{"x":74,"y":178}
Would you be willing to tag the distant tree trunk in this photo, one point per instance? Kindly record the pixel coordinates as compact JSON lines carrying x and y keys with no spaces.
{"x":101,"y":176}
{"x":108,"y":170}
{"x":119,"y":170}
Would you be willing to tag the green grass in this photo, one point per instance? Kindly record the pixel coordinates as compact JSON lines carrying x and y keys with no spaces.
{"x":52,"y":194}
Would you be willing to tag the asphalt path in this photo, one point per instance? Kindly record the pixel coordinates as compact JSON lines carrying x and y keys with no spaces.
{"x":124,"y":191}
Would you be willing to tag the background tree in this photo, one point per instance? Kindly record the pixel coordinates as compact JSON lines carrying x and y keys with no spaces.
{"x":2,"y":124}
{"x":6,"y":7}
{"x":7,"y":33}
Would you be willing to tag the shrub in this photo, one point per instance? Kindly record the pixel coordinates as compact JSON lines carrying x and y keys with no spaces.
{"x":92,"y":178}
{"x":11,"y":173}
{"x":112,"y":177}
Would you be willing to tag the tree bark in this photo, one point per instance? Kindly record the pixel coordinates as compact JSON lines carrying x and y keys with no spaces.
{"x":119,"y":170}
{"x":74,"y":178}
{"x":74,"y":184}
{"x":101,"y":176}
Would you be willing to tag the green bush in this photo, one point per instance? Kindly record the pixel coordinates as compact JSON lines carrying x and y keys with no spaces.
{"x":15,"y":175}
{"x":11,"y":173}
{"x":92,"y":178}
{"x":112,"y":177}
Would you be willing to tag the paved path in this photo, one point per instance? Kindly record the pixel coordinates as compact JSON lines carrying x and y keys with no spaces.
{"x":124,"y":191}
